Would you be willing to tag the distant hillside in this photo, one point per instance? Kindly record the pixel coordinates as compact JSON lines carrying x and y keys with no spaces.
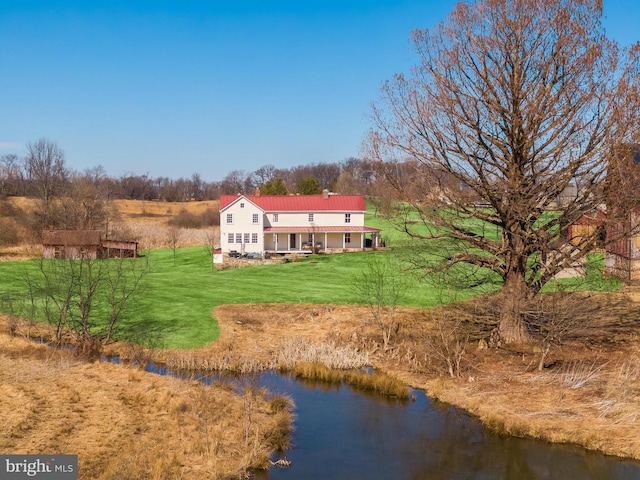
{"x":151,"y":223}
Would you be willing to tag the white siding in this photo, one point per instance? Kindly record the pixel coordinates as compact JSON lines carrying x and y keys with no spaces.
{"x":320,"y":219}
{"x":243,"y":225}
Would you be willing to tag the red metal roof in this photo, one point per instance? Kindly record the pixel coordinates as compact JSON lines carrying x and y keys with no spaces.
{"x":300,"y":203}
{"x":341,"y":229}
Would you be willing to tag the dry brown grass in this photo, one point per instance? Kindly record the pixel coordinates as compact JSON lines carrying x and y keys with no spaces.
{"x":588,"y":394}
{"x":376,"y":381}
{"x":128,"y":424}
{"x":147,"y":222}
{"x":258,"y":336}
{"x":160,"y":211}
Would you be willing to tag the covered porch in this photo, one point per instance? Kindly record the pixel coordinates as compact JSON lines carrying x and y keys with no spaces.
{"x":306,"y":240}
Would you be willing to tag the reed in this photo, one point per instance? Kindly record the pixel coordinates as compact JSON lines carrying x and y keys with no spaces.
{"x":127,"y":423}
{"x":297,"y":349}
{"x":377,"y":381}
{"x":278,"y":436}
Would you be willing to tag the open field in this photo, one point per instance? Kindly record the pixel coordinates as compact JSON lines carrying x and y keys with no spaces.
{"x":147,"y":222}
{"x":177,"y":299}
{"x":268,"y":315}
{"x":129,"y":424}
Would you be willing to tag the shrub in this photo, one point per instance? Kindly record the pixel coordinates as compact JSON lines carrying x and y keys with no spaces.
{"x":211,"y":217}
{"x":185,"y":219}
{"x":8,"y":232}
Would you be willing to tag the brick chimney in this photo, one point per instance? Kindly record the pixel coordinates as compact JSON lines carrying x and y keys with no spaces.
{"x":325,"y":194}
{"x":257,"y":192}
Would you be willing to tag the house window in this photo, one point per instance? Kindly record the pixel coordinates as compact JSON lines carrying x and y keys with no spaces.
{"x":310,"y":238}
{"x":242,"y":205}
{"x":347,"y":238}
{"x":246,"y":237}
{"x":254,"y":238}
{"x":311,"y":217}
{"x":229,"y":218}
{"x":347,"y":218}
{"x":255,"y":218}
{"x":238,"y":238}
{"x":275,"y":217}
{"x":230,"y":238}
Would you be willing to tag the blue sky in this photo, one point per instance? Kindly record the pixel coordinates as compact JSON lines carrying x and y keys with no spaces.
{"x":176,"y":87}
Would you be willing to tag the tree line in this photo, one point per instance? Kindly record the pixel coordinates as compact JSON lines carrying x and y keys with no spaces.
{"x":43,"y":173}
{"x":65,"y":198}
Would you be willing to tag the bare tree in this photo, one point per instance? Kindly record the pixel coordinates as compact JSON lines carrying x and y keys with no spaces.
{"x":264,"y":174}
{"x":515,"y":101}
{"x":237,"y":181}
{"x":11,"y":175}
{"x":45,"y":168}
{"x":85,"y":204}
{"x":447,"y":339}
{"x":123,"y":281}
{"x":75,"y":294}
{"x":173,"y":237}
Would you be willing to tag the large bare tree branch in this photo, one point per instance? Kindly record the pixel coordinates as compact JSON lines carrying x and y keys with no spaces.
{"x":510,"y":104}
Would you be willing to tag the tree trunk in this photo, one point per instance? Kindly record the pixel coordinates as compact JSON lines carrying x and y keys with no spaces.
{"x":513,"y":328}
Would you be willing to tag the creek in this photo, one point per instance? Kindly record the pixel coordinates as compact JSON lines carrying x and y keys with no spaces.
{"x":341,"y":433}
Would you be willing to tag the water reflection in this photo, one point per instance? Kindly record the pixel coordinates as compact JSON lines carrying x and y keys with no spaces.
{"x":341,"y":434}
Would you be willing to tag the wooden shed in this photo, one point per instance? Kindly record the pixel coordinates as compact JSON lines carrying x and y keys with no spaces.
{"x":71,"y":244}
{"x":119,"y":249}
{"x":587,"y":227}
{"x":622,"y":258}
{"x":85,"y":244}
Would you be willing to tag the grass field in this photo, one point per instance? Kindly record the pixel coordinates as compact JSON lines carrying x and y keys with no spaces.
{"x":177,"y":300}
{"x":181,"y":297}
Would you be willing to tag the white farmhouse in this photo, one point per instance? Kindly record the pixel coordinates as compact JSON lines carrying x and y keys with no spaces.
{"x":294,"y":223}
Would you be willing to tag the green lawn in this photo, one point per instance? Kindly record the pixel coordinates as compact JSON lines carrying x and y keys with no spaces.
{"x":179,"y":299}
{"x":188,"y":292}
